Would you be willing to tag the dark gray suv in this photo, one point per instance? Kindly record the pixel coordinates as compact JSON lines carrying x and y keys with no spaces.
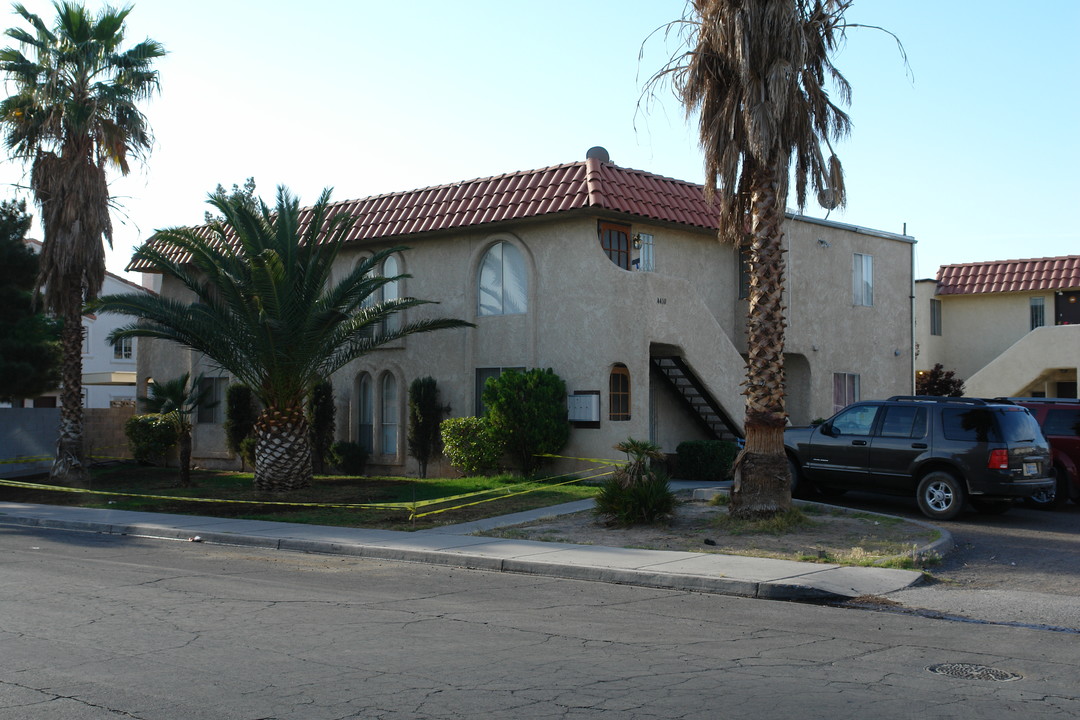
{"x":945,"y":451}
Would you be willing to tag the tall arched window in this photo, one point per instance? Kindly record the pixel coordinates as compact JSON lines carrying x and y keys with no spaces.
{"x":503,"y":284}
{"x":391,"y":291}
{"x":388,"y":409}
{"x":390,"y":267}
{"x":619,"y":393}
{"x":367,"y":413}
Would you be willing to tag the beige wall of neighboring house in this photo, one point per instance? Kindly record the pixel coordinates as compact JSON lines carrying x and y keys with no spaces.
{"x":585,"y":316}
{"x":992,"y":338}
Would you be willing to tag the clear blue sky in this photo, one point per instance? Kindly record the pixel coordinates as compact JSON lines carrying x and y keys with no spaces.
{"x":973,"y":145}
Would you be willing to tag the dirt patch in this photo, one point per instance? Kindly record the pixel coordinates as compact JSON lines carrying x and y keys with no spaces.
{"x":828,"y":534}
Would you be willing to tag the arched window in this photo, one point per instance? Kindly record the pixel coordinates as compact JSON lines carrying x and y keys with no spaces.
{"x":391,"y":291}
{"x":503,"y":285}
{"x":367,"y":413}
{"x":619,"y":393}
{"x":615,"y":242}
{"x":388,"y":409}
{"x":390,"y":267}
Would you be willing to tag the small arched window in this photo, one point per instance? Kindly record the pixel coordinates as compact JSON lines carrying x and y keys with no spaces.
{"x":503,"y":285}
{"x":619,"y":393}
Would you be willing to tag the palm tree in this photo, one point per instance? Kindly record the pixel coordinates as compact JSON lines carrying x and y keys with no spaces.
{"x":267,"y":313}
{"x":756,"y":75}
{"x":74,"y":112}
{"x":176,"y":400}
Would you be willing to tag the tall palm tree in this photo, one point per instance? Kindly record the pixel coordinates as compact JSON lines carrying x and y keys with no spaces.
{"x":177,"y":400}
{"x":73,"y":113}
{"x":756,"y":74}
{"x":267,"y":313}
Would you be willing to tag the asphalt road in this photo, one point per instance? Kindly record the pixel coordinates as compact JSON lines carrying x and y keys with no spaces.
{"x":96,"y":627}
{"x":1022,"y":566}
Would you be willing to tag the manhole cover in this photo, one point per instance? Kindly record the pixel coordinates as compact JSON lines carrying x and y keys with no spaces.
{"x":967,"y":671}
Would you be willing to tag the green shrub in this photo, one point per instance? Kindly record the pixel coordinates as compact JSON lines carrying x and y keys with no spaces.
{"x":706,"y":460}
{"x":321,"y":414}
{"x":240,"y":416}
{"x":470,"y":445}
{"x":247,"y":450}
{"x":527,"y":411}
{"x":642,"y":503}
{"x":150,"y":437}
{"x":348,"y":457}
{"x":425,"y":416}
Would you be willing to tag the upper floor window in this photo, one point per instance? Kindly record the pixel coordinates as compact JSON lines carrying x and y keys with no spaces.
{"x":85,"y":340}
{"x":862,"y":279}
{"x":615,"y":242}
{"x":1038,"y":312}
{"x":503,"y":284}
{"x":124,"y":349}
{"x":744,"y":273}
{"x":935,"y":317}
{"x":390,"y":267}
{"x":619,"y":393}
{"x":643,"y":243}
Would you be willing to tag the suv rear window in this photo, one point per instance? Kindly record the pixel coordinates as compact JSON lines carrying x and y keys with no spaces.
{"x":969,"y":425}
{"x":989,"y":425}
{"x":1062,"y":422}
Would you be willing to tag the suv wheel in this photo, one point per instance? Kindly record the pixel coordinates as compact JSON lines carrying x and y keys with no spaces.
{"x":940,"y":496}
{"x":1044,"y":501}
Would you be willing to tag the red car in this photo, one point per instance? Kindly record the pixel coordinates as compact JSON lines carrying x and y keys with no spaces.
{"x":1059,"y":419}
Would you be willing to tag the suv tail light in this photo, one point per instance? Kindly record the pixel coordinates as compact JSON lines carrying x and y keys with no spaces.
{"x":999,"y":459}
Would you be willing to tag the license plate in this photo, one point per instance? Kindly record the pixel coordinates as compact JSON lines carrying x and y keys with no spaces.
{"x":1031,"y":469}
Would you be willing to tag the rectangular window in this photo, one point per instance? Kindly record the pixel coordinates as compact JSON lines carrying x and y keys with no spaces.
{"x":845,"y":390}
{"x":744,"y":273}
{"x":1038,"y":312}
{"x":644,"y":243}
{"x":935,"y":317}
{"x":85,"y":340}
{"x":615,"y":242}
{"x":903,"y":421}
{"x":212,"y":388}
{"x":482,"y":376}
{"x":862,"y":279}
{"x":124,"y":349}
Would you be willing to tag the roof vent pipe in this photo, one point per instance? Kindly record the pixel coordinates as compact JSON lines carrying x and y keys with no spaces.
{"x":598,"y":153}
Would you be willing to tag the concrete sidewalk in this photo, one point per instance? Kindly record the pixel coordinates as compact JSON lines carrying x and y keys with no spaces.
{"x":452,"y":545}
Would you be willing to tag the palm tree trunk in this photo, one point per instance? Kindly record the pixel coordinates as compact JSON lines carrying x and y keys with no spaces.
{"x":762,"y":484}
{"x":282,"y":450}
{"x":69,"y":466}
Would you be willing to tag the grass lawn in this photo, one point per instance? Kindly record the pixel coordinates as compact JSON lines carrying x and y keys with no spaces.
{"x":325,"y":489}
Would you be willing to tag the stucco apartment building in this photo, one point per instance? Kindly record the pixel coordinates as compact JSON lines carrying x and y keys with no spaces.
{"x":613,"y":278}
{"x":1008,"y":327}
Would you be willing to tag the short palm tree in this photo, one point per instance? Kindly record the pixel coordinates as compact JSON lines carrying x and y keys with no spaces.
{"x":177,"y":400}
{"x":756,"y":74}
{"x":267,"y":313}
{"x":73,"y":113}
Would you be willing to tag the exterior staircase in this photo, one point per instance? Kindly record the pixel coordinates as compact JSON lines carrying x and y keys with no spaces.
{"x":701,"y":403}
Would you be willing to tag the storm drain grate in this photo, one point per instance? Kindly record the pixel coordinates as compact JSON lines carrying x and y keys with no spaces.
{"x":967,"y":671}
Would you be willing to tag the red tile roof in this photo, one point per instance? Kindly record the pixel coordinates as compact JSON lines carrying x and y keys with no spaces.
{"x":1055,"y":273}
{"x":531,"y":193}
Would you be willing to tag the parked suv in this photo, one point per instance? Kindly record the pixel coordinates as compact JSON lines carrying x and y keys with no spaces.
{"x":1059,"y":419}
{"x":943,"y":450}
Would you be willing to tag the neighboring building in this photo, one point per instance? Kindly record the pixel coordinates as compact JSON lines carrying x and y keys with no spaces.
{"x":613,"y":278}
{"x":108,"y":370}
{"x":1008,"y":328}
